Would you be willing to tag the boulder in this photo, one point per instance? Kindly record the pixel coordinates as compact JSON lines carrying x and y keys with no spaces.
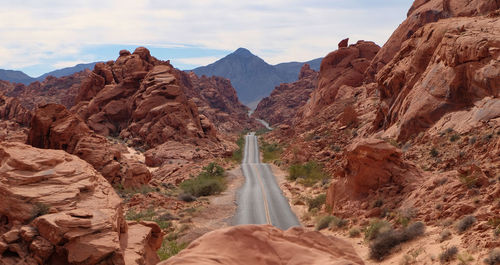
{"x":368,"y":165}
{"x":265,"y":244}
{"x":69,"y":213}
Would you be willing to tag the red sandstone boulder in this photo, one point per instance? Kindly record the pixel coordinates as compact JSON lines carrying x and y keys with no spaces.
{"x":368,"y":165}
{"x":58,"y":209}
{"x":344,"y":43}
{"x":265,"y":244}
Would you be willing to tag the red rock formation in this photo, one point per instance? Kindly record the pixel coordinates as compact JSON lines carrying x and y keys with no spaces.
{"x":57,"y":209}
{"x":345,"y":66}
{"x":344,"y":43}
{"x":217,"y":100}
{"x":62,"y":90}
{"x":55,"y":127}
{"x":423,"y":12}
{"x":12,"y":110}
{"x":147,"y":102}
{"x":444,"y":67}
{"x":368,"y":165}
{"x":285,"y":100}
{"x":265,"y":244}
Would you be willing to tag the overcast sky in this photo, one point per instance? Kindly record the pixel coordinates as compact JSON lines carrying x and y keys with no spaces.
{"x":39,"y":36}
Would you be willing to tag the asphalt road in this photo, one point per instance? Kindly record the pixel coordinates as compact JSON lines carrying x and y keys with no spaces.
{"x":260,"y":200}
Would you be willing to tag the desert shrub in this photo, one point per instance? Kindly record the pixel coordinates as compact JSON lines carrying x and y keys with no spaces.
{"x":212,"y":170}
{"x":238,"y":153}
{"x":324,"y":222}
{"x":209,"y":182}
{"x":448,"y":254}
{"x":317,"y":202}
{"x":170,"y":248}
{"x":338,"y":223}
{"x":454,"y":137}
{"x":167,"y":217}
{"x":39,"y":209}
{"x":385,"y":241}
{"x":270,"y":152}
{"x":146,"y":215}
{"x":493,"y":257}
{"x":472,"y":140}
{"x":378,"y":203}
{"x":464,"y":258}
{"x":468,"y":180}
{"x":163,"y":224}
{"x":375,"y":227}
{"x":354,"y":232}
{"x":187,"y":197}
{"x":404,"y":216}
{"x":204,"y":186}
{"x":307,"y":174}
{"x":125,"y":193}
{"x":444,"y":235}
{"x":465,"y":223}
{"x":434,"y":152}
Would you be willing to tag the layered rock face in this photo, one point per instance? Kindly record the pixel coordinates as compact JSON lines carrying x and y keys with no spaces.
{"x":265,"y":244}
{"x":12,"y":110}
{"x":369,"y":166}
{"x":149,"y":103}
{"x":216,"y":99}
{"x":54,"y":127}
{"x":444,"y":67}
{"x":344,"y":67}
{"x":57,"y":209}
{"x":62,"y":90}
{"x":282,"y":105}
{"x":423,"y":12}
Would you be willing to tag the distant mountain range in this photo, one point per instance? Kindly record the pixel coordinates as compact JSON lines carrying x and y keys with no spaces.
{"x":251,"y":76}
{"x":20,"y":77}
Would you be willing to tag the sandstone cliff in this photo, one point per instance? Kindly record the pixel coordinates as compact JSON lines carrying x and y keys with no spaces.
{"x":282,"y":105}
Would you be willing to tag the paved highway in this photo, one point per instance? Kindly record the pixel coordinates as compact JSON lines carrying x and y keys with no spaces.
{"x":260,"y":200}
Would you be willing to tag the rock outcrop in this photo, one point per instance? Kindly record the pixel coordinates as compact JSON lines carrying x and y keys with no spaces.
{"x":421,"y":13}
{"x":148,"y":103}
{"x":343,"y":67}
{"x":444,"y":67}
{"x":368,"y":166}
{"x":60,"y":90}
{"x":265,"y":244}
{"x":282,"y":105}
{"x":54,"y":127}
{"x":12,"y":110}
{"x":57,"y":209}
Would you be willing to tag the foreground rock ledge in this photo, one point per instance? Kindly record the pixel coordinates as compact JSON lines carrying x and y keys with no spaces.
{"x":57,"y":209}
{"x":265,"y":244}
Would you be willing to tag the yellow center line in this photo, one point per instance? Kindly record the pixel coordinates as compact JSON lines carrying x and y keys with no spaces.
{"x":266,"y":207}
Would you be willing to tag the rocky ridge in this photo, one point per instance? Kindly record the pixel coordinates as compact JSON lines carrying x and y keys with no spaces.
{"x":60,"y":90}
{"x":282,"y":105}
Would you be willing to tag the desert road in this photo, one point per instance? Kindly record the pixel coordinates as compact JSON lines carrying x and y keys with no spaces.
{"x":260,"y":200}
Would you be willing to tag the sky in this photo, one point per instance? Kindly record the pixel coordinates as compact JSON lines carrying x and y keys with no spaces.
{"x":40,"y":36}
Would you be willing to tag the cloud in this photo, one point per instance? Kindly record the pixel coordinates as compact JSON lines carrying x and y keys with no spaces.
{"x":46,"y":32}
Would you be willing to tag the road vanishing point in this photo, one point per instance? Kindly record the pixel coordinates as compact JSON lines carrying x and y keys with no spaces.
{"x":260,"y":200}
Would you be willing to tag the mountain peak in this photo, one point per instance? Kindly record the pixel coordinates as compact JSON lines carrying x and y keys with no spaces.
{"x":242,"y":51}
